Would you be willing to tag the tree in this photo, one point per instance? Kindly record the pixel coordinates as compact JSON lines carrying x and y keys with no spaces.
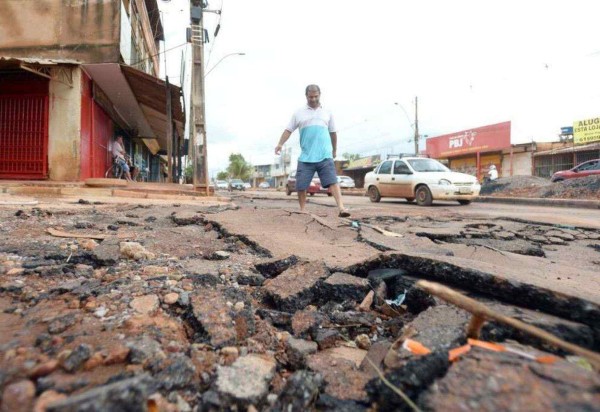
{"x":238,"y":167}
{"x":222,"y":175}
{"x":351,"y":156}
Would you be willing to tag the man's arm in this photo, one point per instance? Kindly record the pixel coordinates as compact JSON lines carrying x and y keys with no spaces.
{"x":284,"y":137}
{"x":333,"y":136}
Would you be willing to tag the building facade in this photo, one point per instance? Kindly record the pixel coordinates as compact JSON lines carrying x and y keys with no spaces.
{"x":87,"y":72}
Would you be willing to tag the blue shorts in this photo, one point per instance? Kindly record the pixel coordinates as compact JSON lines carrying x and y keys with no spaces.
{"x":305,"y":172}
{"x":123,"y":165}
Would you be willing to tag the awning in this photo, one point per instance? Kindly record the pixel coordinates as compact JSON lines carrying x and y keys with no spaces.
{"x":570,"y":149}
{"x":139,"y":99}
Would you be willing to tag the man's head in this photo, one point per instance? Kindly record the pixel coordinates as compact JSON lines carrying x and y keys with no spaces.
{"x":119,"y":138}
{"x":313,"y":94}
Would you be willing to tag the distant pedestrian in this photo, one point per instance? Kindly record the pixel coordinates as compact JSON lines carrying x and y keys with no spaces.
{"x":318,"y":142}
{"x":493,"y":173}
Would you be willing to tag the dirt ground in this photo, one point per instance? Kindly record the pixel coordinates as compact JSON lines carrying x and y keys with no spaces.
{"x":532,"y":186}
{"x":251,"y":305}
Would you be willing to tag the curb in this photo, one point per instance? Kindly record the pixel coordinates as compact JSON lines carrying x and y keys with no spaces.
{"x":534,"y":201}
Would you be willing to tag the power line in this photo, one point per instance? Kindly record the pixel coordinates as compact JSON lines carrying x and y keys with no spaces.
{"x":158,"y":54}
{"x":212,"y":46}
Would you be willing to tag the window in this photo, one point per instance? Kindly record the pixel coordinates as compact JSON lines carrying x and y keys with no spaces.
{"x":400,"y":168}
{"x":385,"y":168}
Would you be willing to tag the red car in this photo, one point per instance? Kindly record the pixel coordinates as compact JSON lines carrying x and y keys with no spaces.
{"x":315,"y":185}
{"x":591,"y":167}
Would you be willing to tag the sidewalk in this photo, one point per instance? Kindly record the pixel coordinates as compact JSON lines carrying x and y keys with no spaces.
{"x":578,"y":203}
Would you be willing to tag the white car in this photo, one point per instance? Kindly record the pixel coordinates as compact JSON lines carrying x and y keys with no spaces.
{"x":422,"y":179}
{"x":247,"y":185}
{"x":264,"y":185}
{"x":222,"y":184}
{"x":346,"y":182}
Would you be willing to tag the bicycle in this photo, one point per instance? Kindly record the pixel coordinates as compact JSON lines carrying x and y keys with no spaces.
{"x":114,"y":171}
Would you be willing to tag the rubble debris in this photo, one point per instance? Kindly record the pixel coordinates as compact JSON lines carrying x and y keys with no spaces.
{"x":246,"y":381}
{"x":300,"y":392}
{"x":297,"y":350}
{"x":487,"y":380}
{"x":128,"y":394}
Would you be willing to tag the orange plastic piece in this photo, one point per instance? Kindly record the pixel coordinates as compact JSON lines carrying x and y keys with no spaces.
{"x":487,"y":345}
{"x":549,"y":359}
{"x":415,"y":347}
{"x":454,"y":354}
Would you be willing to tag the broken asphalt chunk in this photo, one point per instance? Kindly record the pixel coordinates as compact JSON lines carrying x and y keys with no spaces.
{"x":297,"y":287}
{"x":341,"y":286}
{"x":273,"y":267}
{"x":219,"y":316}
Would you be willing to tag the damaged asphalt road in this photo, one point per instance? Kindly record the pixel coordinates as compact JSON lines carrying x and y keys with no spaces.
{"x":254,"y":306}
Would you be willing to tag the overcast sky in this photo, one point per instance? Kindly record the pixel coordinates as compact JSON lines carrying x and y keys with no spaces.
{"x":471,"y":63}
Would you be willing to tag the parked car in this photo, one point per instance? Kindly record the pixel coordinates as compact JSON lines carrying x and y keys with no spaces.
{"x":315,"y":185}
{"x":236,"y":184}
{"x":264,"y":185}
{"x":422,"y":179}
{"x":591,"y":167}
{"x":221,"y":184}
{"x":346,"y":182}
{"x":247,"y":185}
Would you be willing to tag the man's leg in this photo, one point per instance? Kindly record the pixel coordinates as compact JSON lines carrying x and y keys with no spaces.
{"x":326,"y":171}
{"x":302,"y":199}
{"x":337,"y":194}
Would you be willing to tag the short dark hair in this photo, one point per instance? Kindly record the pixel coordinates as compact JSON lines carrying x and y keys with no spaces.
{"x":117,"y":137}
{"x":312,"y":87}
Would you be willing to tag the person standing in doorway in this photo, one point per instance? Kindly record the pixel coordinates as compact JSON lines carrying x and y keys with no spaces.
{"x":318,"y":143}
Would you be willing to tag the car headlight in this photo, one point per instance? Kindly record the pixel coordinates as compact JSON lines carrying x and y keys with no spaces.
{"x":444,"y":182}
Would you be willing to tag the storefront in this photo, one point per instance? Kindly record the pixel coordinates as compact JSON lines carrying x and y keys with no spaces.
{"x":472,"y":151}
{"x":357,"y":169}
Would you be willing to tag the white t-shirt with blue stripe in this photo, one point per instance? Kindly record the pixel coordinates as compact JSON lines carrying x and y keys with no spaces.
{"x":315,"y":126}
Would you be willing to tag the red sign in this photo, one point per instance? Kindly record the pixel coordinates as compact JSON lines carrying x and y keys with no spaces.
{"x":481,"y":139}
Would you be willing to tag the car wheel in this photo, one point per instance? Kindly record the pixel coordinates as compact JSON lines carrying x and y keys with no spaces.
{"x":464,"y":202}
{"x":329,"y":194}
{"x":287,"y":190}
{"x":311,"y":193}
{"x":374,"y":195}
{"x":557,"y":180}
{"x":410,"y":199}
{"x":423,"y":196}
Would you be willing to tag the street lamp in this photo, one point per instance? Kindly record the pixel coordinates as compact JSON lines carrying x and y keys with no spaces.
{"x":223,"y":58}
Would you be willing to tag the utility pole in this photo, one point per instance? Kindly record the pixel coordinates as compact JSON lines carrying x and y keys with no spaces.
{"x":416,"y":126}
{"x":198,"y":123}
{"x":169,"y":132}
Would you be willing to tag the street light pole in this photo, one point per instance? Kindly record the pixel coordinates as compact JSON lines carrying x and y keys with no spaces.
{"x":416,"y":127}
{"x":223,"y":58}
{"x":198,"y":129}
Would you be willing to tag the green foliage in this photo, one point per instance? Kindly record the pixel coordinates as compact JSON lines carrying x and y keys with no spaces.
{"x":351,"y":156}
{"x":238,"y":167}
{"x":222,"y":175}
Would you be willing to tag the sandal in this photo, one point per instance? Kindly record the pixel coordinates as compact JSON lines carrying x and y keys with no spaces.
{"x":344,"y":213}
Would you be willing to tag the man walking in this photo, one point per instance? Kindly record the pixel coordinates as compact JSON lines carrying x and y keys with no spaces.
{"x":318,"y":142}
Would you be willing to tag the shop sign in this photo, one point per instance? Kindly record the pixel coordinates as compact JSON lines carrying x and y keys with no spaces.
{"x":586,"y":131}
{"x":481,"y":139}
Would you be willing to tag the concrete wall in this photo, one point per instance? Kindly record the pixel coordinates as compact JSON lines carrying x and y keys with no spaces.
{"x":521,"y":164}
{"x":64,"y":129}
{"x":86,"y":31}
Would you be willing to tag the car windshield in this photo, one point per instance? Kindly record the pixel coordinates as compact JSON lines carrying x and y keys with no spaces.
{"x":427,"y":165}
{"x":237,"y":181}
